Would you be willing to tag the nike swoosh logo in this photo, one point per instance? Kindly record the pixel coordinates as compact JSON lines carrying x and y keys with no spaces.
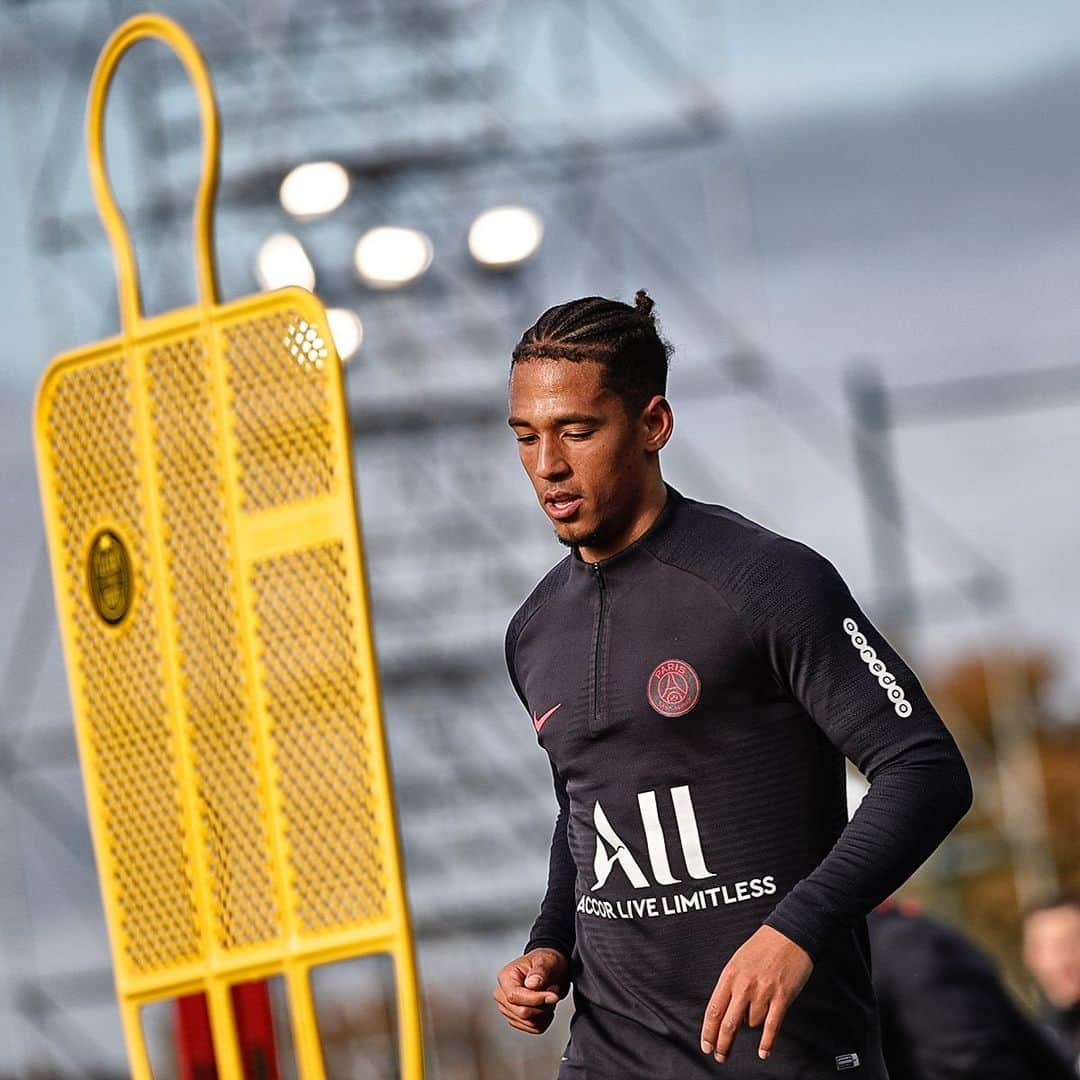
{"x":538,"y":721}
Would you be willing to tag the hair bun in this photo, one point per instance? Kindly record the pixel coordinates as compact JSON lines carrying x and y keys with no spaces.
{"x":644,"y":303}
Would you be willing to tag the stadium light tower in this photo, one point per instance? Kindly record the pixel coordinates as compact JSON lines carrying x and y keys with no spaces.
{"x":389,"y":256}
{"x":314,"y":189}
{"x":283,"y":261}
{"x":505,"y":236}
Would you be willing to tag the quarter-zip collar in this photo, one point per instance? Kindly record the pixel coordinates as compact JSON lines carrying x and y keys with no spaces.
{"x":630,"y":558}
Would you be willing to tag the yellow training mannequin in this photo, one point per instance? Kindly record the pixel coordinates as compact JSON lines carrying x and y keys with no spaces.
{"x":210,"y":583}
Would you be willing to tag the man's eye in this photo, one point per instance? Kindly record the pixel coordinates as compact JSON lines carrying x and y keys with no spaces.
{"x":525,"y":438}
{"x":578,"y":434}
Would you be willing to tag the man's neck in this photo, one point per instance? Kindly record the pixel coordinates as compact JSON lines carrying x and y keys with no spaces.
{"x":646,"y":514}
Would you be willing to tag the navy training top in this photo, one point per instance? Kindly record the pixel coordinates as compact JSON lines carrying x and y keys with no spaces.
{"x":697,"y":693}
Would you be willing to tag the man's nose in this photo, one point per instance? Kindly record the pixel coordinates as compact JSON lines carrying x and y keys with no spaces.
{"x":549,"y":461}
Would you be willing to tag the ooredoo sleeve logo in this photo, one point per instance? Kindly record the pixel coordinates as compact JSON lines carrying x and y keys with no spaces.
{"x":885,"y":678}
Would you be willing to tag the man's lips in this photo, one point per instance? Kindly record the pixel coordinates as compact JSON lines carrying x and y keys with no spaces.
{"x":562,"y":506}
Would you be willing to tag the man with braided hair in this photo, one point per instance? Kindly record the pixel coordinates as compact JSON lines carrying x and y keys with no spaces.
{"x":696,"y":680}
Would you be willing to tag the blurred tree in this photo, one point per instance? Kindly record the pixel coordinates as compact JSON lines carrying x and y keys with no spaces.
{"x":1041,"y":788}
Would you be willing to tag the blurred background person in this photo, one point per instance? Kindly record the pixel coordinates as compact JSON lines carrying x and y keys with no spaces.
{"x":1052,"y":955}
{"x":945,"y":1013}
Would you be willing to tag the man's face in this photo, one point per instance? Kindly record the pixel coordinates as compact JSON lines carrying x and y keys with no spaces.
{"x":576,"y":440}
{"x":1052,"y":953}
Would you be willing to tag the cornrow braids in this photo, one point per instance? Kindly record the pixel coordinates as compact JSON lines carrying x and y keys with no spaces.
{"x":623,"y":339}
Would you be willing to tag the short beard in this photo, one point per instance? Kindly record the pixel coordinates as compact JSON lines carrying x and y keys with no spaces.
{"x":600,"y":536}
{"x":596,"y":538}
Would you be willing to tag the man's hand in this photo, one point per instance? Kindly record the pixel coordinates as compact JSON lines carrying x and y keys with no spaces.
{"x":529,"y":988}
{"x":759,"y":982}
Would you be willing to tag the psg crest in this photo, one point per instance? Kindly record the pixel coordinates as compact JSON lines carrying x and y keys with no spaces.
{"x":673,"y":688}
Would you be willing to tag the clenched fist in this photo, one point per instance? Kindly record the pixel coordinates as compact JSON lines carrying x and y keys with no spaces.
{"x":529,"y":988}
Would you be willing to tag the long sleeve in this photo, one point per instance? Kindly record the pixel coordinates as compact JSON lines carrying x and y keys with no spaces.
{"x":825,"y":652}
{"x":554,"y":926}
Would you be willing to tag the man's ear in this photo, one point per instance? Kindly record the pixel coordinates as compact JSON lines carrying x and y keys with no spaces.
{"x":659,"y":421}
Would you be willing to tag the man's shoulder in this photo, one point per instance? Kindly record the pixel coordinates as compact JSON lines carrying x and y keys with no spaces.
{"x":922,"y":948}
{"x":733,"y":551}
{"x":543,"y":591}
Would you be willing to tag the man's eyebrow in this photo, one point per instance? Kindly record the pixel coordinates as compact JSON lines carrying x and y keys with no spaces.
{"x":566,"y":418}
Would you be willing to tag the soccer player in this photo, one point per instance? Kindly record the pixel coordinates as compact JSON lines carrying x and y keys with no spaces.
{"x":696,"y":681}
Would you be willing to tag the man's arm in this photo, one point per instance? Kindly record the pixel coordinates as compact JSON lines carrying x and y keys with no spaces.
{"x":554,"y":926}
{"x":826,"y":653}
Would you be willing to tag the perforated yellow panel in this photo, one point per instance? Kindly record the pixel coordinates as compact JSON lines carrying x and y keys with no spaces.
{"x":198,"y":494}
{"x":330,"y":797}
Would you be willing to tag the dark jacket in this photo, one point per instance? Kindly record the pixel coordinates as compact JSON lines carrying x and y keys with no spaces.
{"x":945,"y":1014}
{"x":696,"y":694}
{"x":1064,"y":1027}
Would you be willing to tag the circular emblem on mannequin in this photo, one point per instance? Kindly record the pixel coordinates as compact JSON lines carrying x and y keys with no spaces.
{"x":674,"y":688}
{"x":108,"y":574}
